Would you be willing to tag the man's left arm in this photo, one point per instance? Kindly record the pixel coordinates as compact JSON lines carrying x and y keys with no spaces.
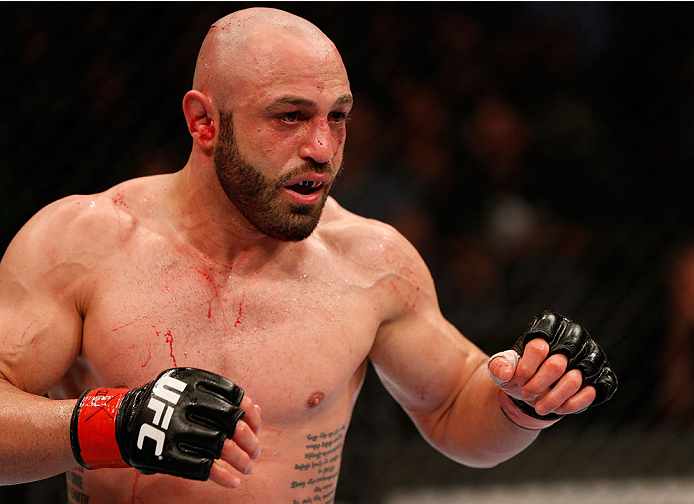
{"x":477,"y":411}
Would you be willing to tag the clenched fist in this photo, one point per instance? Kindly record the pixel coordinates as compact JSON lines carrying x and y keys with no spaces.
{"x":555,"y":368}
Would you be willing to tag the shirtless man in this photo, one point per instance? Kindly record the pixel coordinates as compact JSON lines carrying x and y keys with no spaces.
{"x":242,"y":266}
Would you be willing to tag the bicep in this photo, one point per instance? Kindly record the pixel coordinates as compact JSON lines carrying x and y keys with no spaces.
{"x":40,"y":326}
{"x":423,"y":360}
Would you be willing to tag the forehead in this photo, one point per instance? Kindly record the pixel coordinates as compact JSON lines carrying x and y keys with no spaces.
{"x":284,"y":64}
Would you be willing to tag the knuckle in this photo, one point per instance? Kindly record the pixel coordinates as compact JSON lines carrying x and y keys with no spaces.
{"x":575,"y":377}
{"x":524,"y":369}
{"x":539,"y":345}
{"x":562,"y":410}
{"x":242,"y":429}
{"x":243,"y":460}
{"x":521,"y":378}
{"x":531,"y":390}
{"x":548,"y":404}
{"x":231,"y":453}
{"x":556,"y":364}
{"x":237,"y":458}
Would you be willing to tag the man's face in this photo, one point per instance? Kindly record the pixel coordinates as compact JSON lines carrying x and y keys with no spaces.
{"x":261,"y":200}
{"x":279,"y":158}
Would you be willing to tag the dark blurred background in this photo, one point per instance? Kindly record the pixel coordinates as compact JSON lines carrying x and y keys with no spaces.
{"x":537,"y":154}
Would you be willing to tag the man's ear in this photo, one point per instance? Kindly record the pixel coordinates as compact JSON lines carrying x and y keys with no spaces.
{"x":200,"y":117}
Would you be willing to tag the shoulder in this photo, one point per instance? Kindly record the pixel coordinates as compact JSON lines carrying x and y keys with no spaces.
{"x":104,"y":219}
{"x":375,"y":246}
{"x":69,"y":223}
{"x":77,"y":229}
{"x":363,"y":238}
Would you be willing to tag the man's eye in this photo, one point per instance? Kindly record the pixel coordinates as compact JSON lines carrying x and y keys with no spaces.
{"x":289,"y":117}
{"x":339,"y":117}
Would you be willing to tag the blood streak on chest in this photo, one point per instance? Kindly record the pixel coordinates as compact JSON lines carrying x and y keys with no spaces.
{"x":238,"y":319}
{"x":211,"y":285}
{"x":168,"y":338}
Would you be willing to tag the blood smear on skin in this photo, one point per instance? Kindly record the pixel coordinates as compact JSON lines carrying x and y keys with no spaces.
{"x":169,"y":340}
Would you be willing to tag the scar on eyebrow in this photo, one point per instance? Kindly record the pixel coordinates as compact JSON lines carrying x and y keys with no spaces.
{"x":315,"y":399}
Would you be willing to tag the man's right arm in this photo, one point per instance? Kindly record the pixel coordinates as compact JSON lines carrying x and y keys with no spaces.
{"x":40,"y":337}
{"x":45,"y":279}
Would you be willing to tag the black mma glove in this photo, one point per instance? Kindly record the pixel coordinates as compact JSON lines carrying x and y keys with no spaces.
{"x":176,"y":424}
{"x":568,"y":338}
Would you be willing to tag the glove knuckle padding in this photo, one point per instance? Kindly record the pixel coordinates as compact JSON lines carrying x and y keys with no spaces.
{"x":202,"y":439}
{"x":605,"y":385}
{"x":218,"y":385}
{"x":543,"y":326}
{"x":570,"y":339}
{"x":214,"y":411}
{"x":589,"y":359}
{"x":178,"y":423}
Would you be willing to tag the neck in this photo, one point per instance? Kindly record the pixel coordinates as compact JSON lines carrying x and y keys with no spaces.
{"x":206,"y":219}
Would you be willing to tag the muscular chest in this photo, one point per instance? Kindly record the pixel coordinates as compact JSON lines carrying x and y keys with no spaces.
{"x":289,"y":338}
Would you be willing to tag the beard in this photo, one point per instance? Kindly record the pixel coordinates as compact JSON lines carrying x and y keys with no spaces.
{"x":258,"y":198}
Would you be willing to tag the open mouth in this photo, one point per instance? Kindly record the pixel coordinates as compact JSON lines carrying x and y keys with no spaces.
{"x":306,"y":186}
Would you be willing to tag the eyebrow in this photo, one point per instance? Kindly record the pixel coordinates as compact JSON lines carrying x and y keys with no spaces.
{"x":345,"y":99}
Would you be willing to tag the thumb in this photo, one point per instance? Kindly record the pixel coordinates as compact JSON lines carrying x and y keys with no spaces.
{"x":502,"y":366}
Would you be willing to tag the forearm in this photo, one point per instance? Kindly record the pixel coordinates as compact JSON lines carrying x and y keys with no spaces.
{"x":473,"y":430}
{"x":35,"y":440}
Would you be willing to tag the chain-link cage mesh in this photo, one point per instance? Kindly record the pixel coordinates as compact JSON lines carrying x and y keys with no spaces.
{"x":537,"y":154}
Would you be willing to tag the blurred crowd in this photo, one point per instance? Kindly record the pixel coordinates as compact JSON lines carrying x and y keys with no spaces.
{"x":537,"y":154}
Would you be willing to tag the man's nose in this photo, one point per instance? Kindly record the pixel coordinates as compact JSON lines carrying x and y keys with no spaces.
{"x":320,"y":143}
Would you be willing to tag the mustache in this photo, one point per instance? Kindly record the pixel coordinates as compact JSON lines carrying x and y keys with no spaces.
{"x":307,"y":167}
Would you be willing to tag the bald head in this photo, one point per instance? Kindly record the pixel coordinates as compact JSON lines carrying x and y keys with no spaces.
{"x":247,"y":46}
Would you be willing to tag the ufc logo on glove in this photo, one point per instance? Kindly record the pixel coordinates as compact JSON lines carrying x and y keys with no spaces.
{"x":160,"y":391}
{"x":195,"y":411}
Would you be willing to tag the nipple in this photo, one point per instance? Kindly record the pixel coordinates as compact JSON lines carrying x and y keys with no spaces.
{"x":315,"y":399}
